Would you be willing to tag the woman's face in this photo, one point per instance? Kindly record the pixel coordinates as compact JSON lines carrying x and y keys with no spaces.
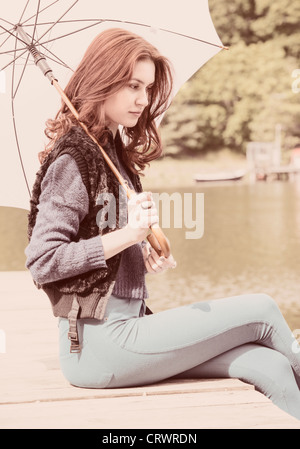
{"x":126,"y":106}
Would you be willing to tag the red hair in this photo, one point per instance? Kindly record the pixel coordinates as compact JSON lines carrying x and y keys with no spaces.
{"x":106,"y":67}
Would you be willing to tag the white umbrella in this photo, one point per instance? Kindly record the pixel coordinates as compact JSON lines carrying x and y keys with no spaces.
{"x":62,"y":30}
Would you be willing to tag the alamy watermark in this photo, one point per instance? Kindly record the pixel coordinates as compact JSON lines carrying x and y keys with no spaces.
{"x":296,"y":82}
{"x":188,"y":212}
{"x":177,"y":210}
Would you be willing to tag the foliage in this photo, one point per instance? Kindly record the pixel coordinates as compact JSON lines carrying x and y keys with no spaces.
{"x":242,"y":94}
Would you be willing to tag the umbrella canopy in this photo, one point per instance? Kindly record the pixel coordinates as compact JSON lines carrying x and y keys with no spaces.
{"x":62,"y":30}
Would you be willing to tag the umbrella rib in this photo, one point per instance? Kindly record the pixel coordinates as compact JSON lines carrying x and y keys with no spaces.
{"x":5,"y":30}
{"x":57,"y":60}
{"x":13,"y":61}
{"x":5,"y":40}
{"x":167,"y":31}
{"x":42,"y":10}
{"x":23,"y":11}
{"x":71,"y":32}
{"x":6,"y":21}
{"x":72,"y":21}
{"x":35,"y":23}
{"x":15,"y":49}
{"x":57,"y":21}
{"x":98,"y":21}
{"x":15,"y":129}
{"x":17,"y":38}
{"x":194,"y":38}
{"x":21,"y":76}
{"x":37,"y":41}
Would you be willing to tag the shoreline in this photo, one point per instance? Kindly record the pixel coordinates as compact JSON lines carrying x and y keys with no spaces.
{"x":173,"y":173}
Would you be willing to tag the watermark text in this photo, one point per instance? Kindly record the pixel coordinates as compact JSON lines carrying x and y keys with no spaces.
{"x":177,"y":210}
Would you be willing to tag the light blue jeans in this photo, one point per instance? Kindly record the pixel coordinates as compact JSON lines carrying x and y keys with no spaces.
{"x":243,"y":337}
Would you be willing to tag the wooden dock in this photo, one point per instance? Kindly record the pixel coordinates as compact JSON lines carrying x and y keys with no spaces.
{"x":34,"y":394}
{"x":280,"y":173}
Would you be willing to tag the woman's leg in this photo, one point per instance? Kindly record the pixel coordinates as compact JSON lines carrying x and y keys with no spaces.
{"x":128,"y":350}
{"x":268,"y":370}
{"x":201,"y":331}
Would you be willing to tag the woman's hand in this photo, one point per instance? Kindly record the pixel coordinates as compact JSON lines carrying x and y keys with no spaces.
{"x":155,"y":263}
{"x":142,"y":214}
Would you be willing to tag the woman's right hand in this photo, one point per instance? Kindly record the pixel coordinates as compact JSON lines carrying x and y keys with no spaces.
{"x":142,"y":214}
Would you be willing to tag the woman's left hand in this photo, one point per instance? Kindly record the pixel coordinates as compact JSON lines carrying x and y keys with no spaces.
{"x":155,"y":263}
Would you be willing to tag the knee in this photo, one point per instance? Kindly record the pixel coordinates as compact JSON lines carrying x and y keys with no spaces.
{"x":281,"y":379}
{"x":269,"y":370}
{"x":281,"y":367}
{"x":267,"y":305}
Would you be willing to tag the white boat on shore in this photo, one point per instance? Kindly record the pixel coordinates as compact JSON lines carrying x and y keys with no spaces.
{"x":220,"y":176}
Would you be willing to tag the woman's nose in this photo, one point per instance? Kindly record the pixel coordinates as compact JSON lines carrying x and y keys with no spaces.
{"x":142,"y":99}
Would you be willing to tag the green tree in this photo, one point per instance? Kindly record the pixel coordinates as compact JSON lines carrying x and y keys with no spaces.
{"x":241,"y":94}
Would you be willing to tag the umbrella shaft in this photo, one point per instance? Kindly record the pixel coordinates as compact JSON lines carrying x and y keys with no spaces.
{"x":64,"y":97}
{"x":39,"y":59}
{"x":157,"y":238}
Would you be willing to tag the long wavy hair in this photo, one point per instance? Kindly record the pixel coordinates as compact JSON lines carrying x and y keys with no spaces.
{"x":105,"y":68}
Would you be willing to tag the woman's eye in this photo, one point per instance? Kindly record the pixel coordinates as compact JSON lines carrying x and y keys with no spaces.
{"x":133,"y":86}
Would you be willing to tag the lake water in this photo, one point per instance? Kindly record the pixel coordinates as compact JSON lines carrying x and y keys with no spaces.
{"x":251,"y":243}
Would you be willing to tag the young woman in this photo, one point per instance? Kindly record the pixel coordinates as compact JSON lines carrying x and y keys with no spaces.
{"x":88,"y":252}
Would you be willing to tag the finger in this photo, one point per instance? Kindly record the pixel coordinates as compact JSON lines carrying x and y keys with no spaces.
{"x":155,"y":256}
{"x":147,"y":204}
{"x":145,"y":251}
{"x":155,"y":260}
{"x":144,"y":196}
{"x":149,"y":210}
{"x":148,"y":267}
{"x":171,"y":261}
{"x":148,"y":217}
{"x":166,"y":262}
{"x":138,"y":198}
{"x":152,"y":266}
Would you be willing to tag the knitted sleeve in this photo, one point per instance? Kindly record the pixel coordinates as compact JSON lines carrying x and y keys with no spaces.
{"x":52,"y":253}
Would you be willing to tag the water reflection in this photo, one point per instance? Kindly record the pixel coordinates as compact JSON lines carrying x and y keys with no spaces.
{"x":251,"y":244}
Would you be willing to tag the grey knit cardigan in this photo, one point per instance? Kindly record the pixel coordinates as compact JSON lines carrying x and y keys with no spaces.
{"x":91,"y":289}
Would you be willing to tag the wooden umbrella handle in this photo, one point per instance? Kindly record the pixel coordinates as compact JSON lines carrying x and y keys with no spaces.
{"x":157,"y":239}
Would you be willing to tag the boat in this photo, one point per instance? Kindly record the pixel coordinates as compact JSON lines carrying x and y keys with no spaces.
{"x":220,"y":176}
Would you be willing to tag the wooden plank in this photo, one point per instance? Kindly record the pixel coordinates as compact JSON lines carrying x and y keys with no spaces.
{"x":34,"y":394}
{"x":53,"y":387}
{"x":225,"y":410}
